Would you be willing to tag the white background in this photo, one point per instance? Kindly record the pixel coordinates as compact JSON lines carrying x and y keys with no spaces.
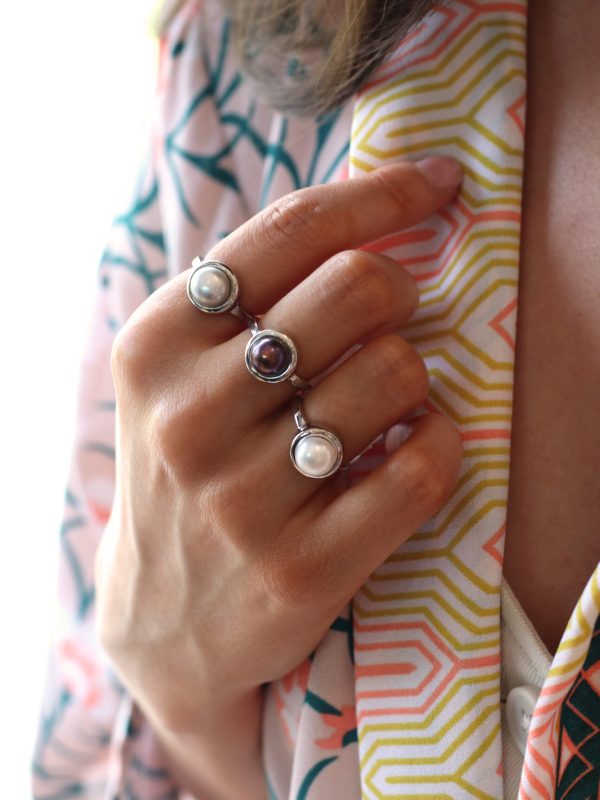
{"x":76,"y":81}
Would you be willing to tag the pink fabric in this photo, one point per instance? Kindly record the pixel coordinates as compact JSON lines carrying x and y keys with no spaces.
{"x":215,"y":158}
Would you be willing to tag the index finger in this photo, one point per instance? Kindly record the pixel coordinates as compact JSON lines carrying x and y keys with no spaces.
{"x":281,"y":245}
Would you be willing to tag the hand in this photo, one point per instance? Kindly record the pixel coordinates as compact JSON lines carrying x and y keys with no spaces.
{"x":222,"y":567}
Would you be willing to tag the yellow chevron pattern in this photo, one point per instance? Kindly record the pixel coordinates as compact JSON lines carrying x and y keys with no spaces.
{"x":426,"y":625}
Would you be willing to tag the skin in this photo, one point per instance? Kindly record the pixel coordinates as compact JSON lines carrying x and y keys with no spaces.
{"x":217,"y":549}
{"x":291,"y":563}
{"x":552,"y":535}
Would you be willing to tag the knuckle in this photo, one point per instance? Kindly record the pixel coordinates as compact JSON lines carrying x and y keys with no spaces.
{"x":104,"y":626}
{"x":123,"y":354}
{"x":398,"y":189}
{"x":291,"y":579}
{"x":400,"y":370}
{"x":297,"y":219}
{"x":358,"y":284}
{"x":105,"y":635}
{"x":130,"y":357}
{"x":164,"y":435}
{"x":427,"y":484}
{"x":177,"y":451}
{"x":172,"y":418}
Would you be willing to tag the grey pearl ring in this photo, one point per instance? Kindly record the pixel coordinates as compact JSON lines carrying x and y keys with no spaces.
{"x":212,"y":287}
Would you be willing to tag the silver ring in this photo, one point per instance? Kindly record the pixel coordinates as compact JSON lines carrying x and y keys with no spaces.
{"x":212,"y":287}
{"x":271,"y":356}
{"x":315,"y":452}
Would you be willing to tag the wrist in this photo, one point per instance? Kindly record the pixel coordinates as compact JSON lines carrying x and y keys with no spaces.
{"x":219,"y":756}
{"x":204,"y":711}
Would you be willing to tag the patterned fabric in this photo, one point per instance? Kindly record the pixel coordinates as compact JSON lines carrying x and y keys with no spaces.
{"x":578,"y":773}
{"x":427,"y":623}
{"x":563,"y":747}
{"x":401,"y":698}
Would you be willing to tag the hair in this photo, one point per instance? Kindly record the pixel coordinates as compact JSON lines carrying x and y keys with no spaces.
{"x":306,"y":57}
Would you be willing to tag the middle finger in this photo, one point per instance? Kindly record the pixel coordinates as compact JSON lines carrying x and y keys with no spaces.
{"x":351,"y":296}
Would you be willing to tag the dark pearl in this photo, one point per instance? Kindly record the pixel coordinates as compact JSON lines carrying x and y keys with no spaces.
{"x":270,"y":357}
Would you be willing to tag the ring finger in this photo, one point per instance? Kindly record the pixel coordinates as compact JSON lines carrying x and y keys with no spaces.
{"x":377,"y":386}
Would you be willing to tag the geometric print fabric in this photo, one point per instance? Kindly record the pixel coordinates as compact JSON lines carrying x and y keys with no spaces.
{"x":401,"y":698}
{"x":578,"y":772}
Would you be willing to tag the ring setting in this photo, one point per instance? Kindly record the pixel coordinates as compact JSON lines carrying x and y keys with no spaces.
{"x":212,"y":286}
{"x":271,"y":356}
{"x":315,"y":452}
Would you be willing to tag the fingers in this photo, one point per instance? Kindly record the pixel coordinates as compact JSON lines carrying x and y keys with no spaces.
{"x":345,"y":300}
{"x":349,"y":297}
{"x":351,"y":535}
{"x":379,"y":384}
{"x":396,"y":498}
{"x":413,"y":483}
{"x":278,"y":248}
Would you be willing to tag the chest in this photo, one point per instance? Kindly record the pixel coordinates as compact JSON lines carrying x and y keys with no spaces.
{"x":553,"y":528}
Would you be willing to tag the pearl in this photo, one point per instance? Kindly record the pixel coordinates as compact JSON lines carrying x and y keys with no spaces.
{"x":210,"y":287}
{"x":270,"y":357}
{"x":315,"y":455}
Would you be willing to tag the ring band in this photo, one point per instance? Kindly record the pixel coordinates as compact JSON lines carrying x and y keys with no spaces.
{"x":315,"y":452}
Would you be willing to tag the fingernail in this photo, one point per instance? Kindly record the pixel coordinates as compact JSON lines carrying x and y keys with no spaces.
{"x":396,"y":436}
{"x":442,"y":172}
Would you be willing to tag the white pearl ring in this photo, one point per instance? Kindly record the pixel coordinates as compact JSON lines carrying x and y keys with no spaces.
{"x":271,"y":357}
{"x":315,"y":452}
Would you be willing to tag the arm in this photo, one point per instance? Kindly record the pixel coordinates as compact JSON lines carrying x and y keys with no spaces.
{"x":219,"y":758}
